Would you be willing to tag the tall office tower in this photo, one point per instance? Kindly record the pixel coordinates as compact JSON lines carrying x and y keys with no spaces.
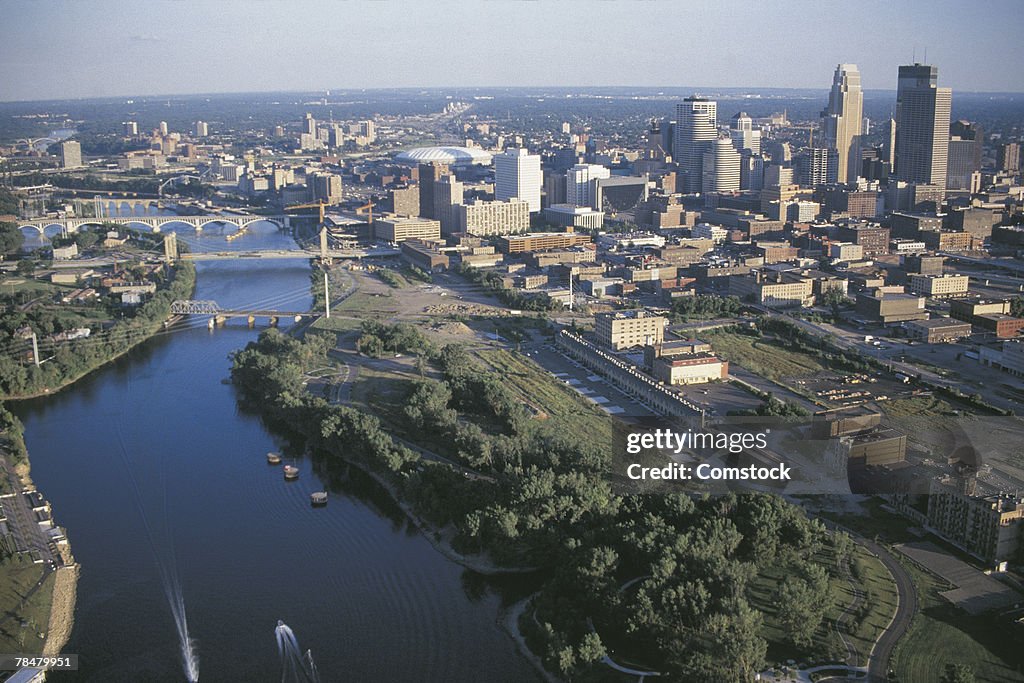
{"x":131,"y":128}
{"x":578,"y":183}
{"x":566,"y":128}
{"x":696,"y":129}
{"x":745,"y":137}
{"x":70,"y":154}
{"x":965,"y":140}
{"x":817,"y":166}
{"x":429,"y":175}
{"x":721,"y":167}
{"x":1008,"y":157}
{"x":309,"y":124}
{"x":554,"y":187}
{"x":448,"y":193}
{"x":752,"y":172}
{"x":202,"y":129}
{"x":865,"y":127}
{"x":841,"y":122}
{"x":517,"y":176}
{"x":890,"y":144}
{"x":922,"y":126}
{"x":163,"y":128}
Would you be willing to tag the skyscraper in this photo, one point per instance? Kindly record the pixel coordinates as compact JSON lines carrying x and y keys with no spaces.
{"x":744,"y":136}
{"x":202,"y":129}
{"x":429,"y":175}
{"x":163,"y":128}
{"x":721,"y":167}
{"x":578,"y":185}
{"x":696,"y":129}
{"x":517,"y":176}
{"x":842,"y":120}
{"x":70,"y":154}
{"x":309,"y":124}
{"x":922,"y":126}
{"x":1008,"y":157}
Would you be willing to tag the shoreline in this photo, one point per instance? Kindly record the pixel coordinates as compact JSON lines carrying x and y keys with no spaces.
{"x":149,"y":334}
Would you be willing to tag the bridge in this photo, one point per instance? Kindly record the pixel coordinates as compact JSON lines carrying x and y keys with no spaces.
{"x":154,"y":223}
{"x":298,"y":253}
{"x":219,"y":315}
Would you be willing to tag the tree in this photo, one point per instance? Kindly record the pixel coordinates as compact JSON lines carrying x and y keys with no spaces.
{"x":11,"y":238}
{"x":26,"y":267}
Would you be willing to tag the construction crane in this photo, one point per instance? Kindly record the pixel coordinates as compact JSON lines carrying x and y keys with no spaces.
{"x":321,"y":205}
{"x":368,"y":207}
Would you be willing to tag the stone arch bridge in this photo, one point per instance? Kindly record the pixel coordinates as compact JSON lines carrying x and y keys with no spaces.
{"x":69,"y":226}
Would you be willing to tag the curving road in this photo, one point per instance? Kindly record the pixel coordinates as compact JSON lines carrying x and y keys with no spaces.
{"x":906,"y":608}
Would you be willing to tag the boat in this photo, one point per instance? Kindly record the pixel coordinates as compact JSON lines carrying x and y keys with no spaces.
{"x":318,"y":498}
{"x":273,"y":458}
{"x":291,"y":472}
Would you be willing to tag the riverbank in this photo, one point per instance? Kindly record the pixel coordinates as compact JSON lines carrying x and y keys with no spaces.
{"x":27,"y":551}
{"x":90,"y":354}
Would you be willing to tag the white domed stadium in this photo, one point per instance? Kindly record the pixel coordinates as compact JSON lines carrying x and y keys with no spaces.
{"x":454,"y":156}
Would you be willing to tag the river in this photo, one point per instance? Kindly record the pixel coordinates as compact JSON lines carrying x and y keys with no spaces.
{"x":150,"y":463}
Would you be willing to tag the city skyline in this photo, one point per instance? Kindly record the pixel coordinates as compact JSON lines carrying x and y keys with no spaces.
{"x":237,"y":47}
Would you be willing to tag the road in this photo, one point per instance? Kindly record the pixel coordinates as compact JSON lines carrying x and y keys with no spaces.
{"x":906,"y":605}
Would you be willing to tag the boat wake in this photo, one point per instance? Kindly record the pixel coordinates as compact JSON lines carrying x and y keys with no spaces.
{"x":295,"y":666}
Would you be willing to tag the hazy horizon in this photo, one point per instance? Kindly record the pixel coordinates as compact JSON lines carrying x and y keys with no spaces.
{"x":63,"y":50}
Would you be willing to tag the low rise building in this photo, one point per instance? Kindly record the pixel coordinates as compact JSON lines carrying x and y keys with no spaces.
{"x":580,"y":217}
{"x":397,"y":229}
{"x":891,"y":307}
{"x":424,"y":255}
{"x":939,"y":286}
{"x":1009,"y":357}
{"x":539,"y":241}
{"x":697,"y":368}
{"x":629,"y":329}
{"x":773,"y":288}
{"x":937,"y":330}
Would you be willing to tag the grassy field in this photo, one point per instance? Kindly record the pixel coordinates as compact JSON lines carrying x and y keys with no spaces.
{"x":562,"y":405}
{"x":17,"y":577}
{"x":941,"y":634}
{"x":366,"y":305}
{"x":766,"y":358}
{"x":920,"y":406}
{"x":878,"y":605}
{"x":382,"y":392}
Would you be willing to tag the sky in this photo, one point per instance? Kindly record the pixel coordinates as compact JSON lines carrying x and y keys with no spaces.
{"x":57,"y":49}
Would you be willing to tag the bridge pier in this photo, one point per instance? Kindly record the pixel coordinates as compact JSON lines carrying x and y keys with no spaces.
{"x":252,"y":321}
{"x":273,"y":321}
{"x":220,"y":320}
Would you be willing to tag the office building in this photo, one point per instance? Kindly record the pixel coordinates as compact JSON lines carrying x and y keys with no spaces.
{"x":429,"y":174}
{"x":70,"y":154}
{"x":891,"y":307}
{"x":744,"y":136}
{"x":539,"y":241}
{"x":938,"y":286}
{"x":483,"y":219}
{"x":1008,"y":157}
{"x":842,"y":120}
{"x":695,"y":131}
{"x":517,"y":175}
{"x":964,"y":157}
{"x":773,"y":288}
{"x":579,"y":186}
{"x":684,"y":369}
{"x":922,"y":126}
{"x":449,"y":194}
{"x":404,"y":201}
{"x":817,"y":166}
{"x":579,"y":217}
{"x":629,"y":329}
{"x":309,"y":124}
{"x":202,"y":129}
{"x":721,"y":167}
{"x":397,"y":229}
{"x":937,"y":330}
{"x":131,"y":128}
{"x":325,"y":187}
{"x":873,"y":238}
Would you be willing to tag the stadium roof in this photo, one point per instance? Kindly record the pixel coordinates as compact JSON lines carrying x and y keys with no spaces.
{"x":446,"y":155}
